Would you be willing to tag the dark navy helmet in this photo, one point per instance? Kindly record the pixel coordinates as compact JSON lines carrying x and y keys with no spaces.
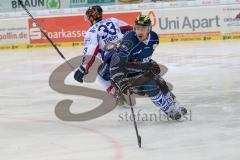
{"x":143,"y":20}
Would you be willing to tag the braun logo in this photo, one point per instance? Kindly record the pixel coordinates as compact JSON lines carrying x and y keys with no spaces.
{"x":193,"y":24}
{"x":52,"y":4}
{"x":28,"y":3}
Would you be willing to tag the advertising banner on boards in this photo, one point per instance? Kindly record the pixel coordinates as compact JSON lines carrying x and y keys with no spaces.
{"x":10,"y":33}
{"x":68,"y":28}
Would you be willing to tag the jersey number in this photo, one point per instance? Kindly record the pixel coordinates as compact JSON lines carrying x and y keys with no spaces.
{"x":109,"y":28}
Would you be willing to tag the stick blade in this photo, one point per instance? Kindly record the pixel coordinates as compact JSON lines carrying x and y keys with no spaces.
{"x":139,"y":141}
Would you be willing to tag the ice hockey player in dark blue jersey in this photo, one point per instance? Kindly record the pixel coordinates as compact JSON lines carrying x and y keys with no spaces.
{"x":131,"y":67}
{"x":138,"y":44}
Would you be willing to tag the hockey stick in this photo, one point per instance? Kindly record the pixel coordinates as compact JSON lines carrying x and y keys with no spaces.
{"x":44,"y":33}
{"x":139,"y":139}
{"x":129,"y":92}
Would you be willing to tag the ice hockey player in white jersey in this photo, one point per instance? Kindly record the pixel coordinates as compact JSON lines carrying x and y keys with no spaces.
{"x":101,"y":32}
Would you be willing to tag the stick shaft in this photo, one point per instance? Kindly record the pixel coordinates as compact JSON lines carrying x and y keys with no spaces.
{"x":44,"y":33}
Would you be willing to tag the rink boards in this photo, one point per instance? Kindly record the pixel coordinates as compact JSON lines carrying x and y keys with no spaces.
{"x":202,"y":23}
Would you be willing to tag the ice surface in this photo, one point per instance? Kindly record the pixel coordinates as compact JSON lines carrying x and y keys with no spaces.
{"x":205,"y":76}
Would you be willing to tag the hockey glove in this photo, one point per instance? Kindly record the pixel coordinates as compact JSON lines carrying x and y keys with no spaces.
{"x":79,"y":74}
{"x":154,"y":68}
